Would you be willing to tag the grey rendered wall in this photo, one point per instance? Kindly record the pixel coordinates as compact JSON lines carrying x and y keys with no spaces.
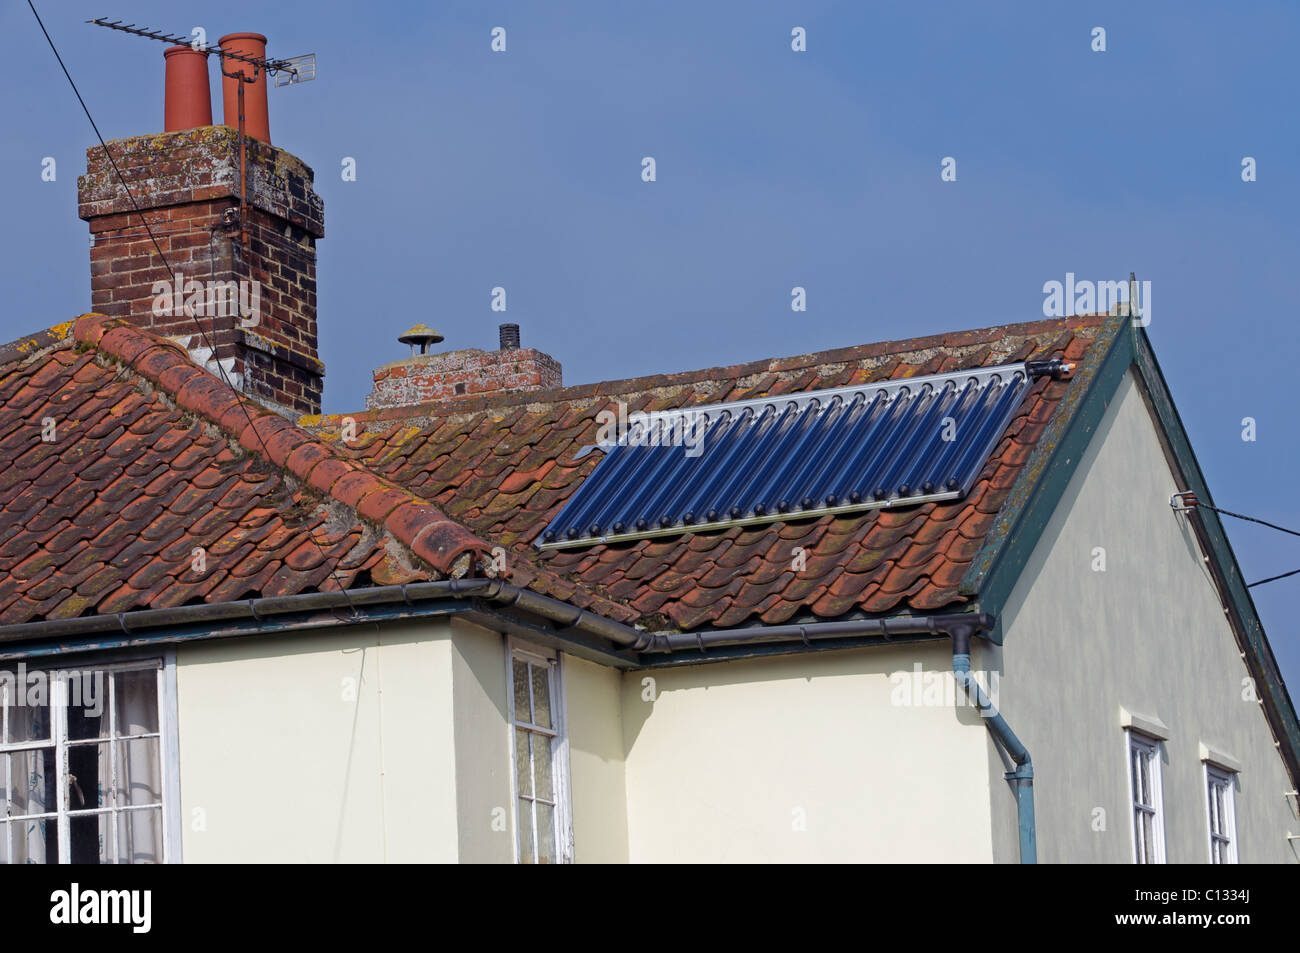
{"x":1147,"y":634}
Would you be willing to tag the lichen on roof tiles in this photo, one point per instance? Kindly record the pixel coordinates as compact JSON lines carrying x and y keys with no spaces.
{"x":481,"y":459}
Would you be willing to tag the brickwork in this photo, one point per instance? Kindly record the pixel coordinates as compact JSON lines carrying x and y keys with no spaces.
{"x":255,"y":304}
{"x":451,"y":375}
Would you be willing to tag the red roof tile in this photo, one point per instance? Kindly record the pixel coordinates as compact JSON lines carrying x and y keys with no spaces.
{"x":162,"y":486}
{"x":155,"y":458}
{"x":506,"y":470}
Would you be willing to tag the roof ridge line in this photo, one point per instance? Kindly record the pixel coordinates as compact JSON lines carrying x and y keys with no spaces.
{"x":608,"y":388}
{"x":422,"y":527}
{"x":30,"y":344}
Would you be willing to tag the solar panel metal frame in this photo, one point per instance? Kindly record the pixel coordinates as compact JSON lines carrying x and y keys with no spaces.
{"x":1012,"y":379}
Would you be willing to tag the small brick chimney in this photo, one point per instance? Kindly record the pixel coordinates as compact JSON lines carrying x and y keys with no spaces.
{"x":250,"y":285}
{"x":425,"y":378}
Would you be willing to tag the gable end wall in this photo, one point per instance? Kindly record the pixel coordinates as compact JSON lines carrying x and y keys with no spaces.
{"x":1148,"y":633}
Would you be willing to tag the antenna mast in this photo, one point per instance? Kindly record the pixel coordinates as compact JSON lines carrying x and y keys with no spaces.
{"x":286,"y":72}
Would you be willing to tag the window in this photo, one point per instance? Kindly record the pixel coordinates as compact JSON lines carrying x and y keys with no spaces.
{"x":1219,"y":784}
{"x":541,"y":758}
{"x":1148,"y":809}
{"x":81,"y":765}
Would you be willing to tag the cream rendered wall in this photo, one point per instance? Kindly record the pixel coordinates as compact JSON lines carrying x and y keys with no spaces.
{"x":359,"y":745}
{"x":730,"y":760}
{"x":596,"y":761}
{"x":484,"y":795}
{"x":1149,"y":634}
{"x":374,"y":745}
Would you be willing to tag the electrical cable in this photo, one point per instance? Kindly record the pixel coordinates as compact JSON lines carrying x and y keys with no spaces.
{"x":1272,"y":578}
{"x":1250,"y":519}
{"x":1190,"y":501}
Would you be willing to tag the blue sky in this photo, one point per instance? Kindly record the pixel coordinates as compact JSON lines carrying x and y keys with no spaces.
{"x":775,"y":169}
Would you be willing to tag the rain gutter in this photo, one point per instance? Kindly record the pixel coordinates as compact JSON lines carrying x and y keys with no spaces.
{"x":583,"y":633}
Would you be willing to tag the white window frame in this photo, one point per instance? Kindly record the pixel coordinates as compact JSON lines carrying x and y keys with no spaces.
{"x":168,"y":740}
{"x":1225,"y":780}
{"x":553,"y":662}
{"x":1147,"y":747}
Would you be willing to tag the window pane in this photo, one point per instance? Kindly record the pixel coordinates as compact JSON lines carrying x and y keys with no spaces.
{"x":32,"y":780}
{"x":28,"y":722}
{"x":525,"y":813}
{"x":136,"y":700}
{"x":523,"y":767}
{"x":545,"y":834}
{"x":140,"y":837}
{"x":87,"y":706}
{"x":89,"y":838}
{"x":522,"y":710}
{"x":34,"y":841}
{"x":541,"y":696}
{"x":88,"y":777}
{"x":139,"y":773}
{"x":1149,"y":854}
{"x":542,"y":767}
{"x":4,"y":834}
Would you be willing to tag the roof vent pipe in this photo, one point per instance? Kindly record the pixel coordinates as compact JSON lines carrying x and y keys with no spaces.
{"x":256,"y":122}
{"x":509,"y":337}
{"x":187,"y":102}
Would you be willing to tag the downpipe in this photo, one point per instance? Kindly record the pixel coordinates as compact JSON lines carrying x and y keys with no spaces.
{"x":1021,"y":778}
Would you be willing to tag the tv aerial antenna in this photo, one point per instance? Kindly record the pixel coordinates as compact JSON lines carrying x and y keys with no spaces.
{"x":283,"y":72}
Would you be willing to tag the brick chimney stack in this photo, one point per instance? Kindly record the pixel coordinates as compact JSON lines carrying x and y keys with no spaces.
{"x":255,"y":300}
{"x":425,"y":378}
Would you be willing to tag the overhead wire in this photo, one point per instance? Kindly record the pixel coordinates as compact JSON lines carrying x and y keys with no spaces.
{"x":1190,"y":501}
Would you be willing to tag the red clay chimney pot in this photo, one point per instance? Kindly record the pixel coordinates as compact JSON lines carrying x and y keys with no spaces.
{"x":187,"y":102}
{"x":256,"y":121}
